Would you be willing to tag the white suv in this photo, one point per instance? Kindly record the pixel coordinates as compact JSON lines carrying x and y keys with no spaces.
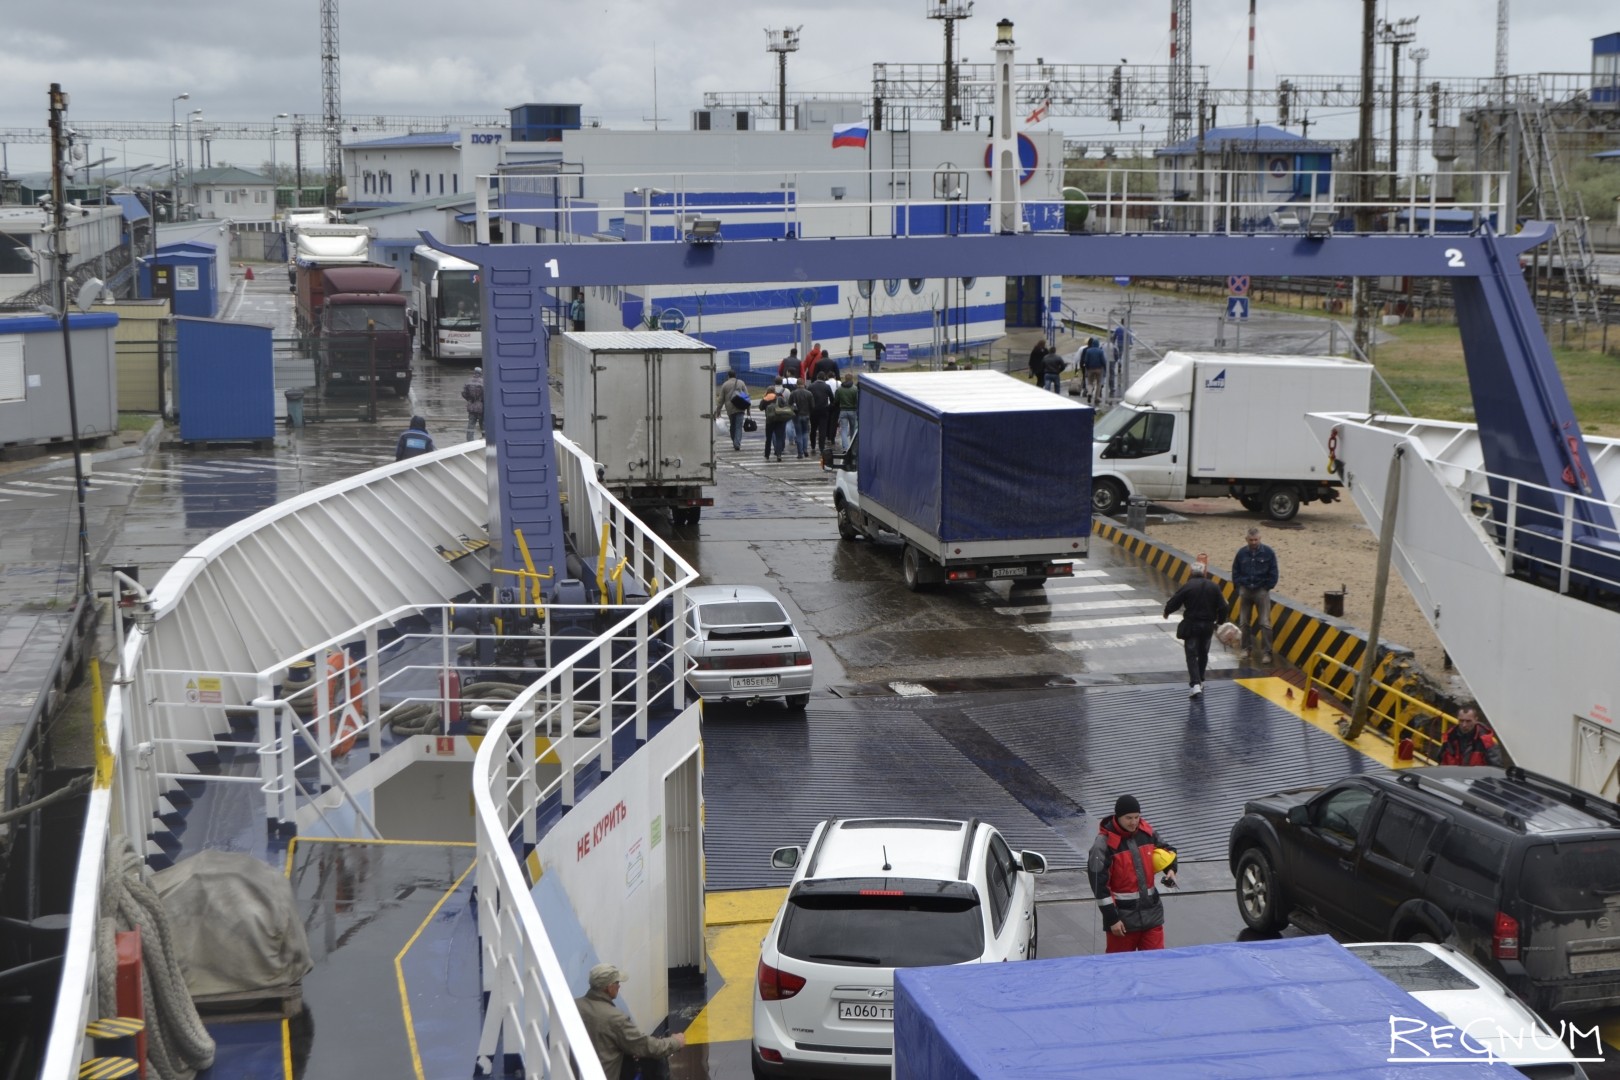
{"x":875,"y":894}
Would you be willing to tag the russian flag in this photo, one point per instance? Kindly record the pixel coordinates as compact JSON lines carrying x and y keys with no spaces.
{"x":849,"y":135}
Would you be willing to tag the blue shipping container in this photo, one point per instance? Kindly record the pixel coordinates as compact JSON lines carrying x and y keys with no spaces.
{"x":976,"y":455}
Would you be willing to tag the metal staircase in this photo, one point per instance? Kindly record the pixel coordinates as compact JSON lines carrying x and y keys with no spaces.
{"x":900,"y":163}
{"x":1554,"y":201}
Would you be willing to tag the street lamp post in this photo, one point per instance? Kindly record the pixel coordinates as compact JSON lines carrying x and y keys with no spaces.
{"x":174,"y":157}
{"x":191,"y":193}
{"x":274,"y":183}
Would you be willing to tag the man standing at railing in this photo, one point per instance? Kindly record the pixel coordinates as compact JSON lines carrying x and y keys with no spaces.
{"x":1470,"y":742}
{"x":621,"y":1046}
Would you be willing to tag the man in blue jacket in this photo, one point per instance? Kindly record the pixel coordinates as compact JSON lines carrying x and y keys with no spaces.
{"x":415,"y":440}
{"x":1254,"y":572}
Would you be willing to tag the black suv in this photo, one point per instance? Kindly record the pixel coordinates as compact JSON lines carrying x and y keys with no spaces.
{"x":1520,"y":871}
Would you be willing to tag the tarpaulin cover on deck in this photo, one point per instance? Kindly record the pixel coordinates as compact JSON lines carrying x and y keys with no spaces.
{"x":1270,"y":1009}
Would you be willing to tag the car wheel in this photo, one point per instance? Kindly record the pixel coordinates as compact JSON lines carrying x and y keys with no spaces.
{"x":694,"y":514}
{"x":1282,"y":502}
{"x":911,"y":567}
{"x":798,"y":701}
{"x":1259,"y":893}
{"x":846,"y":524}
{"x":1107,"y":496}
{"x":1252,"y":503}
{"x":1034,"y":933}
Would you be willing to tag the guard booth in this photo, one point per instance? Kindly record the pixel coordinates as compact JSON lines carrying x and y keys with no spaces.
{"x":187,"y":275}
{"x":33,"y":378}
{"x":224,"y":382}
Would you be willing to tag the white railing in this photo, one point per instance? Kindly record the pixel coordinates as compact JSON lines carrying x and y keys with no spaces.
{"x":1541,"y":530}
{"x":1171,"y":198}
{"x":615,"y":678}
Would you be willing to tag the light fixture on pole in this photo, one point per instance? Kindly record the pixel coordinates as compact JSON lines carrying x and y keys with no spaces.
{"x":174,"y":156}
{"x":191,"y":193}
{"x":275,"y":185}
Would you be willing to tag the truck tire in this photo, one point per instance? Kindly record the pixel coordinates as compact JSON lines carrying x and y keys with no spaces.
{"x":846,"y":523}
{"x":1282,"y":502}
{"x":1107,"y":496}
{"x":1252,"y":503}
{"x":911,"y":567}
{"x":1259,"y":893}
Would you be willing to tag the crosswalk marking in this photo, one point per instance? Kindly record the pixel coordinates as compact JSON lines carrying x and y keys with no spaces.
{"x":1094,"y":624}
{"x":30,"y":494}
{"x":1084,"y":605}
{"x":1063,"y":605}
{"x":1123,"y":641}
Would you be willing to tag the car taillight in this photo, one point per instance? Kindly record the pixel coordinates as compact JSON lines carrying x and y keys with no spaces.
{"x":1505,"y":937}
{"x":1061,"y":569}
{"x":778,"y":985}
{"x":961,"y":575}
{"x":801,"y":659}
{"x":882,"y":892}
{"x":773,"y":1056}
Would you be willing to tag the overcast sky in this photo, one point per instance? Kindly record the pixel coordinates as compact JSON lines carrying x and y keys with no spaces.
{"x":249,"y":61}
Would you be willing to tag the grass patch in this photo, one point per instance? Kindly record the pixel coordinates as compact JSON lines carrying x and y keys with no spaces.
{"x":1424,"y":366}
{"x":131,"y":421}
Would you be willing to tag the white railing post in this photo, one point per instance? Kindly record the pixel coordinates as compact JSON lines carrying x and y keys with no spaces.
{"x":565,"y":738}
{"x":529,"y":755}
{"x":643,"y":675}
{"x":444,"y":671}
{"x":373,"y":693}
{"x":266,"y":748}
{"x":1566,"y":543}
{"x":604,"y":716}
{"x":1511,"y":526}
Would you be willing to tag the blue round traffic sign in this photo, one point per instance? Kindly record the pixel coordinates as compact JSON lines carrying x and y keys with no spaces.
{"x":672,"y":319}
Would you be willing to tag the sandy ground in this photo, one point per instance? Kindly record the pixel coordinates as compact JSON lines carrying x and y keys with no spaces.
{"x":1326,"y":547}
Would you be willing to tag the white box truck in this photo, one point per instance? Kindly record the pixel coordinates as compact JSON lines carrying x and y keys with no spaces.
{"x":641,"y":404}
{"x":1204,"y":424}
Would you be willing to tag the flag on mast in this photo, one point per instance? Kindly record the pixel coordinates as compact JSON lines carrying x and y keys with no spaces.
{"x":1040,"y":112}
{"x":849,"y":135}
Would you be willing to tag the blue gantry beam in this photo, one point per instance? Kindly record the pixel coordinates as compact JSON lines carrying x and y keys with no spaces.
{"x":1527,"y":426}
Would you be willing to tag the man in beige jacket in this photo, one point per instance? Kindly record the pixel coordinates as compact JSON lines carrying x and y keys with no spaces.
{"x":619,"y":1043}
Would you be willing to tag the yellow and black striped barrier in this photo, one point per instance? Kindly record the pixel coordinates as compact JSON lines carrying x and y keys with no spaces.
{"x":1299,"y":633}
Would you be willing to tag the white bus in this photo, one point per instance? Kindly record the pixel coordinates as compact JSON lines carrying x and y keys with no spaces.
{"x":447,"y":305}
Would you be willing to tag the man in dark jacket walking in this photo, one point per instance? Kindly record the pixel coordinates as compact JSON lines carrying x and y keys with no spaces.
{"x":821,"y":403}
{"x":1121,"y":869}
{"x":804,"y":404}
{"x":1093,"y":365}
{"x":415,"y":440}
{"x":1037,"y":361}
{"x":1205,"y":609}
{"x":778,"y":413}
{"x":1254,"y":572}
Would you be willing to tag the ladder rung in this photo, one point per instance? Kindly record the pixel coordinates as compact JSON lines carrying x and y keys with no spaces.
{"x":107,"y":1068}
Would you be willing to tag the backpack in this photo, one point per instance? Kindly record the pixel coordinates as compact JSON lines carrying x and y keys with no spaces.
{"x":740,"y":401}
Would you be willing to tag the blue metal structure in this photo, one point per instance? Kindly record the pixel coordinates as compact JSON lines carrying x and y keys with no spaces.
{"x":1527,"y":426}
{"x":226,"y":381}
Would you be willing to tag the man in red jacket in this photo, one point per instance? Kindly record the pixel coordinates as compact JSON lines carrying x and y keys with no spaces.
{"x":1121,"y":871}
{"x":1470,"y":742}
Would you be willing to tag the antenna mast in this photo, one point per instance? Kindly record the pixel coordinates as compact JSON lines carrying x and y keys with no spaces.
{"x":331,"y":99}
{"x":1181,"y":73}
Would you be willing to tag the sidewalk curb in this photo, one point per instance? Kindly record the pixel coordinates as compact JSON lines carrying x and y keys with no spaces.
{"x":141,"y":449}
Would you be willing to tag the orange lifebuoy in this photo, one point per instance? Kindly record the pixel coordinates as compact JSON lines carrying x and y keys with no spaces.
{"x":347,"y":703}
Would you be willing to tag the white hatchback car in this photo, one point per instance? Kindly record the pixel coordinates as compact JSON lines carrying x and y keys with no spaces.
{"x":1491,"y":1023}
{"x":875,"y":894}
{"x":743,"y":646}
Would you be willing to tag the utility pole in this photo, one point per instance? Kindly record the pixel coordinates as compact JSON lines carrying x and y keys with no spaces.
{"x":948,"y":12}
{"x":331,"y":100}
{"x":781,"y":42}
{"x":1364,"y":158}
{"x":61,"y":149}
{"x":1418,"y":56}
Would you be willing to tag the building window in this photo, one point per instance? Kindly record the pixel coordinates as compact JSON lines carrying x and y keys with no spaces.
{"x":455,"y":182}
{"x":210,"y":195}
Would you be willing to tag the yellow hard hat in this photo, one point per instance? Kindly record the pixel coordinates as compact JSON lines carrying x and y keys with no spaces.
{"x":1162,"y":859}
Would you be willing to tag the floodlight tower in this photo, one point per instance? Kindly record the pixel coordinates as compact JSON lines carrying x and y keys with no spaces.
{"x":948,"y":12}
{"x":1181,"y":72}
{"x":1501,"y":38}
{"x":1395,"y":34}
{"x":332,"y":99}
{"x":781,"y":42}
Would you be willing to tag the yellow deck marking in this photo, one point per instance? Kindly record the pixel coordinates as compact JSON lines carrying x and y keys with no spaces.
{"x":399,"y":973}
{"x":1325,"y":717}
{"x":736,"y":924}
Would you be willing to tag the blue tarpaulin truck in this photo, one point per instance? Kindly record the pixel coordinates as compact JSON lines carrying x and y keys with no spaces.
{"x":1281,"y":1009}
{"x":982,"y":476}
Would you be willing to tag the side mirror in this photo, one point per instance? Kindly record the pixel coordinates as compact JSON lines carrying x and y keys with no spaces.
{"x":786,"y":858}
{"x":1299,"y":815}
{"x":1033,"y":862}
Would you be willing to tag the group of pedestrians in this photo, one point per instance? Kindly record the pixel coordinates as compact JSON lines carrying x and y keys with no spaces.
{"x":807,"y":411}
{"x":1204,"y":607}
